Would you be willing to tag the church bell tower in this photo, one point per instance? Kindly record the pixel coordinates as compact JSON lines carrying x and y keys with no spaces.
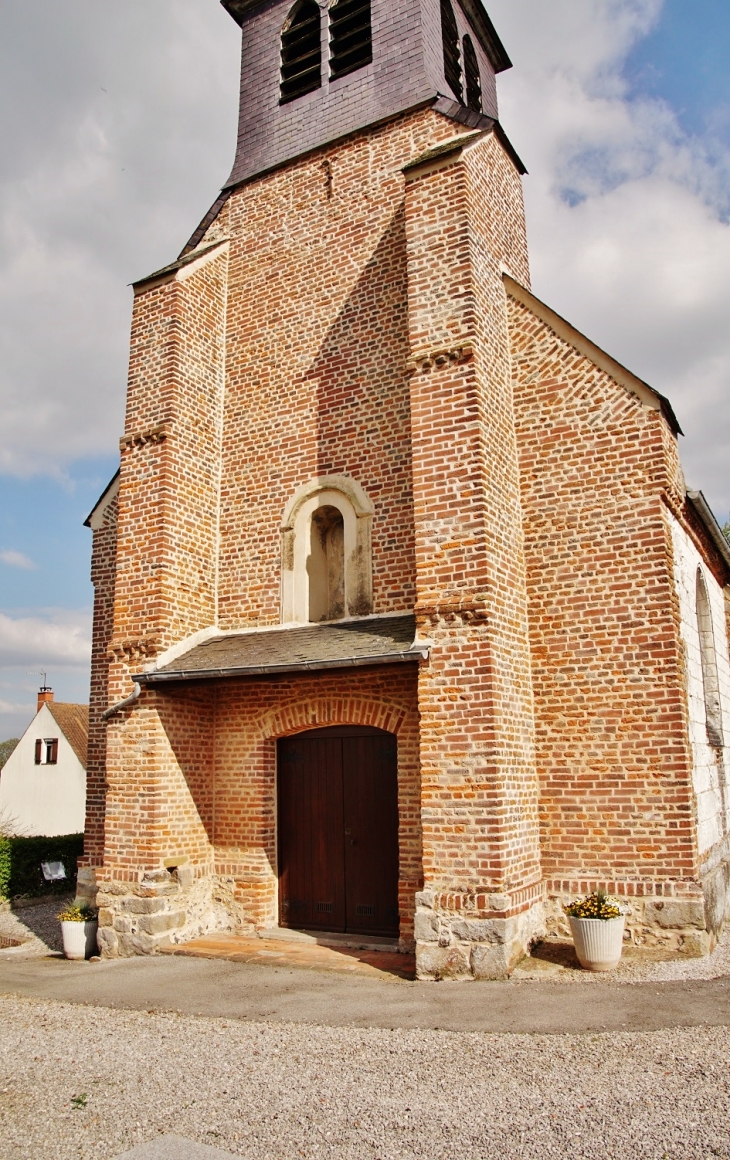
{"x":320,"y":441}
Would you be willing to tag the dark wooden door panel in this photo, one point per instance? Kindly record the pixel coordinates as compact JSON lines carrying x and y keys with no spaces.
{"x":370,"y":800}
{"x":338,"y":831}
{"x":311,"y":878}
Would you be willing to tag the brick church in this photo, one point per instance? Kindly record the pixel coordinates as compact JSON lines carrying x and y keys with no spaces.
{"x":406,"y":624}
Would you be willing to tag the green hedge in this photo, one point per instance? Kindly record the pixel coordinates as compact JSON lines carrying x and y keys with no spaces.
{"x":20,"y":864}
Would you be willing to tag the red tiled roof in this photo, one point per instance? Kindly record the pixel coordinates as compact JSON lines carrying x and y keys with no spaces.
{"x":73,"y":721}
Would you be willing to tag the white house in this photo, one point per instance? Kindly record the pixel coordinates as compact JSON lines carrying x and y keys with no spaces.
{"x":43,"y":782}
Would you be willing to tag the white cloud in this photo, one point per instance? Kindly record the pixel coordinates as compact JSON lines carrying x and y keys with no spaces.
{"x":17,"y":559}
{"x":11,"y":707}
{"x":627,"y":214}
{"x":58,"y":638}
{"x":119,"y":127}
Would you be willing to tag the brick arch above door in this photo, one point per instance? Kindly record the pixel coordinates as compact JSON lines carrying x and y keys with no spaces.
{"x":317,"y":713}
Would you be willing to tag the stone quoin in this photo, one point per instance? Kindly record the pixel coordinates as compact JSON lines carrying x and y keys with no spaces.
{"x":371,"y":488}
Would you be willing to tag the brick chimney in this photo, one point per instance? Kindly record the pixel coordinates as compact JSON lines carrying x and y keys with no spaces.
{"x":44,"y":696}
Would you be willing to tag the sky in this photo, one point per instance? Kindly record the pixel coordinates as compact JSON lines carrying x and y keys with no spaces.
{"x":118,"y":124}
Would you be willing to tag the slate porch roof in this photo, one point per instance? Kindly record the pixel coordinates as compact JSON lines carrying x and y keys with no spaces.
{"x":376,"y":640}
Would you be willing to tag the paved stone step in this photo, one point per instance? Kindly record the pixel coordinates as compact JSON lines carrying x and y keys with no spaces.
{"x":175,"y":1148}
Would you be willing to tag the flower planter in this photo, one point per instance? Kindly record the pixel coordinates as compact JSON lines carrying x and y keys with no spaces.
{"x":79,"y":939}
{"x":598,"y":941}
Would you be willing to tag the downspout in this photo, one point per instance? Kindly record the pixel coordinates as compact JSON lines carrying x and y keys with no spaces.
{"x":110,"y":712}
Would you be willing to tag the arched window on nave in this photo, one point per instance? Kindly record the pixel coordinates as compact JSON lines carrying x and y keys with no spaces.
{"x":710,"y":680}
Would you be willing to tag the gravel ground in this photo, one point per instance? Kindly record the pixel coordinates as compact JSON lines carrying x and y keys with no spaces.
{"x":281,"y":1092}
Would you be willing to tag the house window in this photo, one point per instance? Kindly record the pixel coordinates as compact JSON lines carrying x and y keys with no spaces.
{"x":710,"y":682}
{"x":46,"y":751}
{"x":452,"y":62}
{"x":301,"y":51}
{"x":351,"y":37}
{"x":471,"y":74}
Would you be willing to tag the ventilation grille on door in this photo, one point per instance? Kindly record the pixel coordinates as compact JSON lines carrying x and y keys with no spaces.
{"x":365,"y":911}
{"x":324,"y":906}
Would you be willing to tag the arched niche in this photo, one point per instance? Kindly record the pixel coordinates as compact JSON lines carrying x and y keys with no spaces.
{"x":326,"y":552}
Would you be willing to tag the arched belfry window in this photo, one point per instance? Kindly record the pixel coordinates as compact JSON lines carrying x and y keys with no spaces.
{"x":471,"y":75}
{"x":710,"y":682}
{"x":326,"y":553}
{"x":351,"y":36}
{"x":301,"y":51}
{"x":452,"y":56}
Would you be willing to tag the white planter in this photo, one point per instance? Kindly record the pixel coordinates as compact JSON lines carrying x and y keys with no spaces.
{"x":79,"y":939}
{"x":598,"y":941}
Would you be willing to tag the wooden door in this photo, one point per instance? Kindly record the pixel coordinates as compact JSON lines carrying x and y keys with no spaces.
{"x":338,"y":831}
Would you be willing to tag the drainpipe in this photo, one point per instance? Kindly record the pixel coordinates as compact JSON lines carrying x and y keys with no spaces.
{"x":110,"y":712}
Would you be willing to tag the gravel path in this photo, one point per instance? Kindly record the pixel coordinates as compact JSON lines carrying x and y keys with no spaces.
{"x":282,"y":1092}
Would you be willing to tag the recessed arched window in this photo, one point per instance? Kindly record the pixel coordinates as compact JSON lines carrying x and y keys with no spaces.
{"x":351,"y":36}
{"x":301,"y":51}
{"x":472,"y":77}
{"x":452,"y":56}
{"x":710,"y":682}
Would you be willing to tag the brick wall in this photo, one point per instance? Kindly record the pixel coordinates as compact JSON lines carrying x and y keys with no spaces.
{"x":463,"y":220}
{"x":316,"y":357}
{"x":168,"y":497}
{"x":598,"y":471}
{"x":103,"y":573}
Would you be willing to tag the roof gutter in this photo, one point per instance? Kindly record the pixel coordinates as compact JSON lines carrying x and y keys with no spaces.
{"x":706,"y":514}
{"x":133,"y":696}
{"x":153,"y":678}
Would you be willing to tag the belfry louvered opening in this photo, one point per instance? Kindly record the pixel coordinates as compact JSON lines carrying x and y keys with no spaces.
{"x":452,"y":56}
{"x":472,"y":77}
{"x":351,"y":36}
{"x":301,"y":51}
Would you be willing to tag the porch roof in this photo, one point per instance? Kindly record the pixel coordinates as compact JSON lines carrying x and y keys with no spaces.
{"x":376,"y":640}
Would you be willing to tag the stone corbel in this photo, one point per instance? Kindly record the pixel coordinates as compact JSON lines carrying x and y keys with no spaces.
{"x":152,"y":435}
{"x":423,"y":361}
{"x":131,"y":650}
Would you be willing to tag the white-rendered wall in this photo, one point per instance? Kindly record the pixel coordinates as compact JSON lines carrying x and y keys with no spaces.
{"x":43,"y":799}
{"x":707,"y":770}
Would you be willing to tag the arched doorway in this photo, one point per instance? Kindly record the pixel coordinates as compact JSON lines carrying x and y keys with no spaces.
{"x":338,"y":830}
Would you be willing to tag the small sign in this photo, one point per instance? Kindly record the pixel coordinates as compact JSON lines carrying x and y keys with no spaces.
{"x":53,"y":871}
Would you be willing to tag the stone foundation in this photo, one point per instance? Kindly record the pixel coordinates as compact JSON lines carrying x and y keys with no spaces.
{"x":166,"y":907}
{"x":688,"y":923}
{"x":479,"y":940}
